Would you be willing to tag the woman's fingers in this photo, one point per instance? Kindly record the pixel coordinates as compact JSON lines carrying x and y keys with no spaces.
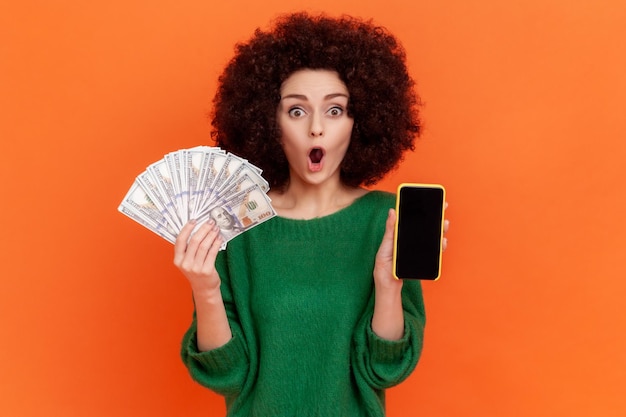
{"x":209,"y":245}
{"x":446,"y":226}
{"x":180,"y":246}
{"x":191,"y":252}
{"x":385,"y":250}
{"x":386,"y":247}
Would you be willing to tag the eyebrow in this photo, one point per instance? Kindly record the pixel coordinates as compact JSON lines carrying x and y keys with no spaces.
{"x":326,"y":97}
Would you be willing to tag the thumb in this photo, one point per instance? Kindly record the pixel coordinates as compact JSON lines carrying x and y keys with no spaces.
{"x":386,"y":247}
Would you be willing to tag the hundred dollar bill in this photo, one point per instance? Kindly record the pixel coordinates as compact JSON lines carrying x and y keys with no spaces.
{"x":179,"y":182}
{"x":162,"y":177}
{"x":243,"y":211}
{"x":230,"y":166}
{"x":232,"y":170}
{"x":138,"y":205}
{"x":212,"y":170}
{"x":166,"y":208}
{"x":201,"y":183}
{"x":147,"y":224}
{"x":240,"y":183}
{"x":193,"y":164}
{"x":253,"y":172}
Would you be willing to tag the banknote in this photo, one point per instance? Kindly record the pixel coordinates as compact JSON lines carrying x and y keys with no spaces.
{"x":239,"y":212}
{"x":208,"y":174}
{"x":164,"y":180}
{"x":138,"y":205}
{"x":193,"y":161}
{"x":199,"y":183}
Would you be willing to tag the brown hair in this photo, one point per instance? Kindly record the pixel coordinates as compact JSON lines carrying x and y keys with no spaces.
{"x":368,"y":59}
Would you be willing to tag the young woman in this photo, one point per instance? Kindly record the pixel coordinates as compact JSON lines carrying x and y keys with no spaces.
{"x":301,"y":316}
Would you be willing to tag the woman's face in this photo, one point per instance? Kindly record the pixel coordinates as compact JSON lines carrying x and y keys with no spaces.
{"x":314,"y":124}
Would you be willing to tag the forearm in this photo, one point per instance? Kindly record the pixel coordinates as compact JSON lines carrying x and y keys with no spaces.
{"x":213,"y":329}
{"x":388,"y":318}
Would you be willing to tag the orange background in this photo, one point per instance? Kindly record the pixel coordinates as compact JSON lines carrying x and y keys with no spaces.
{"x":524,"y":124}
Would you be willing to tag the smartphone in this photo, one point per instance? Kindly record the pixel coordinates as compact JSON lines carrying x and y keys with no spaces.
{"x":419,"y":231}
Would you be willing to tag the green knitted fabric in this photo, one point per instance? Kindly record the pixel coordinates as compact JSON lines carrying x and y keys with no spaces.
{"x":300,"y":297}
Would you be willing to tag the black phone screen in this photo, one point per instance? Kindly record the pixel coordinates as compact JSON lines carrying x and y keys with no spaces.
{"x":419,"y":232}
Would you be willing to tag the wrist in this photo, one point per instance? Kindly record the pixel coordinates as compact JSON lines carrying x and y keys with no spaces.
{"x":388,"y":318}
{"x":388,"y":298}
{"x":207,"y":295}
{"x":388,"y":288}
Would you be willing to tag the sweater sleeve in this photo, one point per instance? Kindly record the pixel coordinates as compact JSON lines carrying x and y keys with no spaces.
{"x":223,"y":369}
{"x":382,"y":363}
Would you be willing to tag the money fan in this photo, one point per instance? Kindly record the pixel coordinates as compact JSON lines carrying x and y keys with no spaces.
{"x":199,"y":183}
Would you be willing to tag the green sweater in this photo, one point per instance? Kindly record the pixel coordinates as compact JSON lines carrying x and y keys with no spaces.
{"x":299,"y":296}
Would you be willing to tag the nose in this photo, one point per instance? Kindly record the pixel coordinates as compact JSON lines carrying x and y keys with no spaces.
{"x":316,"y":129}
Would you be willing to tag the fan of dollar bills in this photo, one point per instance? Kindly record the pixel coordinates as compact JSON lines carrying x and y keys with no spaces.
{"x":199,"y":183}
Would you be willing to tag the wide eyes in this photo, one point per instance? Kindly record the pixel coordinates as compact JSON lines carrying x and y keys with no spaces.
{"x":335,"y":111}
{"x":298,"y":112}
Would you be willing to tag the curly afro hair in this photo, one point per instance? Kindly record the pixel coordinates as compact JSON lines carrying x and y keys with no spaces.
{"x":368,"y":59}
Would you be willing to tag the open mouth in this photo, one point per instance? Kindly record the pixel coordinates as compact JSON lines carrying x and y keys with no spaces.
{"x":315,"y":159}
{"x":316,"y":155}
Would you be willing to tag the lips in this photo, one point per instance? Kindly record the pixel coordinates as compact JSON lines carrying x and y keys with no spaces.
{"x":316,"y":155}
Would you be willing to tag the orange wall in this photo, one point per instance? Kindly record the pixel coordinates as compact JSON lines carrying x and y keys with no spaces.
{"x":524,"y":125}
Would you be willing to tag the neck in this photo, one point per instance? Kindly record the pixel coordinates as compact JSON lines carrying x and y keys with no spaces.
{"x":306,"y":201}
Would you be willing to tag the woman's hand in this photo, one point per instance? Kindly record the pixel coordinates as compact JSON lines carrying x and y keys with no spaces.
{"x":388,"y":318}
{"x":195,"y":256}
{"x":383,"y":266}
